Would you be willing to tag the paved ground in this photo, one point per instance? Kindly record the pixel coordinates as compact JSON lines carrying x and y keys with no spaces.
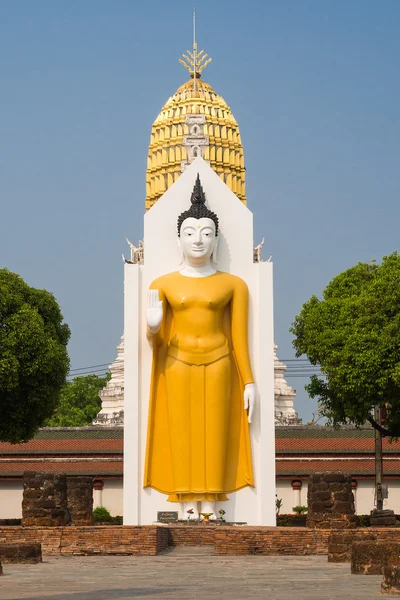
{"x":186,"y":573}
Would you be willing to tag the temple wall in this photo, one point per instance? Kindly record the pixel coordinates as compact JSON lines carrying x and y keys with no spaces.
{"x":364,"y":496}
{"x":11,"y":499}
{"x":393,"y":502}
{"x":285,"y":493}
{"x":112,"y":496}
{"x":289,"y":496}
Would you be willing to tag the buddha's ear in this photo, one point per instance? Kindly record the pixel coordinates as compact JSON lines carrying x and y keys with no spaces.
{"x":214,"y":254}
{"x":182,"y":263}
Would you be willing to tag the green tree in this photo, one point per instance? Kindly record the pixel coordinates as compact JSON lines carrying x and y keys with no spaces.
{"x":33,"y":357}
{"x":79,"y":402}
{"x":353,"y":333}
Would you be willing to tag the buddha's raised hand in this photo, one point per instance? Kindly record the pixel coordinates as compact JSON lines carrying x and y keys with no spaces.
{"x":154,"y":312}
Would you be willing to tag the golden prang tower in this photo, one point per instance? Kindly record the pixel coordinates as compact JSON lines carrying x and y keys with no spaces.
{"x":195,"y":121}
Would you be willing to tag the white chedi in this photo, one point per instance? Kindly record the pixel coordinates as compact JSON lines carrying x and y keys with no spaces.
{"x":285,"y":413}
{"x":112,"y":395}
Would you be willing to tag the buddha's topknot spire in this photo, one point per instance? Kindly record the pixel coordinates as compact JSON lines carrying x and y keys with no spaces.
{"x":198,"y":196}
{"x":198,"y":209}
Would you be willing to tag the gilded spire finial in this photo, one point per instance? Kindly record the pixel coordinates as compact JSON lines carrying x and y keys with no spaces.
{"x":195,"y":62}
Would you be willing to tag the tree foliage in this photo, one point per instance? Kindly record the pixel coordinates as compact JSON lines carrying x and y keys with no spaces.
{"x":33,"y":357}
{"x":79,"y":402}
{"x":353,"y":333}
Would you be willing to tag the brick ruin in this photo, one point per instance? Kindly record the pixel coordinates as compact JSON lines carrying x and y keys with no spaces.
{"x":391,"y":576}
{"x":44,"y":502}
{"x":330,"y":501}
{"x":80,"y":500}
{"x":21,"y":553}
{"x":52,"y":500}
{"x":369,"y":557}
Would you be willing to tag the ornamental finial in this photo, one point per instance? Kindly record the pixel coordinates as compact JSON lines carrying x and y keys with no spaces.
{"x":195,"y":62}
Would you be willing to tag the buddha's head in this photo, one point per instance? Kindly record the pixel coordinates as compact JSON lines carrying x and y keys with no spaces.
{"x":198,"y":229}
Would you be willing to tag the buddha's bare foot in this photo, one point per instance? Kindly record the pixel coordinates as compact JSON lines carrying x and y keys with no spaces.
{"x":208,"y":507}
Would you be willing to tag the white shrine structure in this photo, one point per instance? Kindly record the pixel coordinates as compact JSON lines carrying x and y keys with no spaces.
{"x":254,"y":505}
{"x":196,"y":133}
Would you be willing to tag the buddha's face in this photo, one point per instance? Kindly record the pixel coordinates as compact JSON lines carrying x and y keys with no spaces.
{"x":198,"y":239}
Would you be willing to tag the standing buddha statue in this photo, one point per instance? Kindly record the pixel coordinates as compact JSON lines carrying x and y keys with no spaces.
{"x":202,"y":386}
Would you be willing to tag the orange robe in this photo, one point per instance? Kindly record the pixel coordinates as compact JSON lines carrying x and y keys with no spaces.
{"x":198,"y":445}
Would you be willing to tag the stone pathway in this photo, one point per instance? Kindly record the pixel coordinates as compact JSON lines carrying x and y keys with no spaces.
{"x":186,"y":573}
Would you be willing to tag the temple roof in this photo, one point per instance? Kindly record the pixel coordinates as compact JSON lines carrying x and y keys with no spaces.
{"x":172,"y":133}
{"x":98,"y":451}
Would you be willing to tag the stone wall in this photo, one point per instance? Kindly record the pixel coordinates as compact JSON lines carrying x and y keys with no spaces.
{"x":330,"y":501}
{"x":150,"y":540}
{"x":21,"y":553}
{"x":191,"y":535}
{"x":230,"y":540}
{"x":274,"y":541}
{"x":93,"y":540}
{"x":44,"y":502}
{"x":369,"y":558}
{"x":340,"y":542}
{"x":80,"y":500}
{"x":391,"y":577}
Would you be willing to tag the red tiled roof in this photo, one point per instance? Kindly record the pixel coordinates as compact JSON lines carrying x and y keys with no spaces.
{"x":323,"y":445}
{"x":64,"y":446}
{"x":96,"y":468}
{"x":293,"y":468}
{"x":353,"y":466}
{"x":98,"y":451}
{"x":115,"y":446}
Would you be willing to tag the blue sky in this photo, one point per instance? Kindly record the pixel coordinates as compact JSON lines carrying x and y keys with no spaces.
{"x":313,"y":84}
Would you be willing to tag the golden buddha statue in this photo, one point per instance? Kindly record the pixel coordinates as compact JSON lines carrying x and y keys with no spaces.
{"x":202,"y":386}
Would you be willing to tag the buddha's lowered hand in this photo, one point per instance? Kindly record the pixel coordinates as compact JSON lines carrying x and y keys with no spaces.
{"x":154,"y":312}
{"x":250,"y":399}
